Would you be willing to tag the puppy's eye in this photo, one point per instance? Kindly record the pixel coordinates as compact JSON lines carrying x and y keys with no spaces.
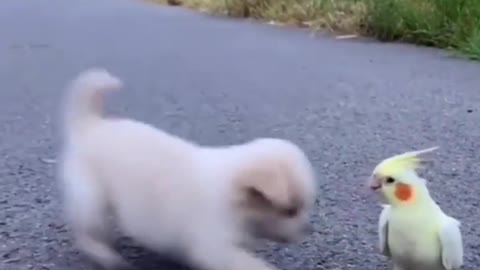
{"x":290,"y":212}
{"x":390,"y":180}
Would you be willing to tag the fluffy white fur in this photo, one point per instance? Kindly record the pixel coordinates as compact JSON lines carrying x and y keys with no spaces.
{"x":206,"y":204}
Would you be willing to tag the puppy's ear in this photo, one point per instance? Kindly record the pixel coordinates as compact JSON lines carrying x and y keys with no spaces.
{"x":263,"y":185}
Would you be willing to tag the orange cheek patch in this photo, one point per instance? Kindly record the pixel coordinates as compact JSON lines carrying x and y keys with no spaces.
{"x":403,"y":192}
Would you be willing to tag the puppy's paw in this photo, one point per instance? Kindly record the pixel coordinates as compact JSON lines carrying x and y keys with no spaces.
{"x":230,"y":258}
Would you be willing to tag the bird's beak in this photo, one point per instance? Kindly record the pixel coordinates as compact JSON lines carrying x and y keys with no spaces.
{"x":374,"y":183}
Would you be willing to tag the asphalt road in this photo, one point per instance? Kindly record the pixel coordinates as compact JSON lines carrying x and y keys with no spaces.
{"x":348,"y":103}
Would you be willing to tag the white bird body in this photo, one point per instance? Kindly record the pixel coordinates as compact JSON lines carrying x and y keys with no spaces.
{"x":413,"y":230}
{"x":413,"y":237}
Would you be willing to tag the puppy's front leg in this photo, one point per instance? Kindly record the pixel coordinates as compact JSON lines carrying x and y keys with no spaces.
{"x":232,"y":258}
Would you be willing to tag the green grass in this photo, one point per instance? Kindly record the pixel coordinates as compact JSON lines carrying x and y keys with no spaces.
{"x":453,"y":24}
{"x":450,"y":24}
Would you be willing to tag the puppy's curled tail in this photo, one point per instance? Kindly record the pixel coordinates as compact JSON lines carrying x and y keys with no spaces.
{"x":84,"y":100}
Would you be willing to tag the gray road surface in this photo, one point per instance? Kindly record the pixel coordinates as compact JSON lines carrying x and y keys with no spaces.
{"x":218,"y":81}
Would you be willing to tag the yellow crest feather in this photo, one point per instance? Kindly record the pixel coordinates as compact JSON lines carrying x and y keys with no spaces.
{"x":407,"y":161}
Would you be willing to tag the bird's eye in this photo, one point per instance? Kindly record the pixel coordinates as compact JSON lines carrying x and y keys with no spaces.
{"x":390,"y":180}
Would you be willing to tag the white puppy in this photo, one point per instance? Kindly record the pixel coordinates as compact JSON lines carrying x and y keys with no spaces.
{"x":206,"y":204}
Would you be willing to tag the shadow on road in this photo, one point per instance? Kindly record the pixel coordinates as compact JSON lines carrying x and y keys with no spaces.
{"x":144,"y":259}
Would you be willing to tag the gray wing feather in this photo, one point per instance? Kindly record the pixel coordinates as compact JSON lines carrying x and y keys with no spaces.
{"x":383,"y":231}
{"x":452,"y":244}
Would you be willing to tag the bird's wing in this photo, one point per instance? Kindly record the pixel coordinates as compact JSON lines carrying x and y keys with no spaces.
{"x":452,"y":244}
{"x":383,"y":230}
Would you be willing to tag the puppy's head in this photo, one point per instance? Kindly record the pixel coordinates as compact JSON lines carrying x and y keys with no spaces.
{"x":275,"y":189}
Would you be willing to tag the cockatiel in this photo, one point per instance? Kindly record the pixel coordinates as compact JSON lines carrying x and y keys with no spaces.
{"x":413,"y":230}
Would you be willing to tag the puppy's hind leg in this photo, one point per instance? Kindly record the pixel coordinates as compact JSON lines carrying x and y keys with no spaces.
{"x":86,"y":209}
